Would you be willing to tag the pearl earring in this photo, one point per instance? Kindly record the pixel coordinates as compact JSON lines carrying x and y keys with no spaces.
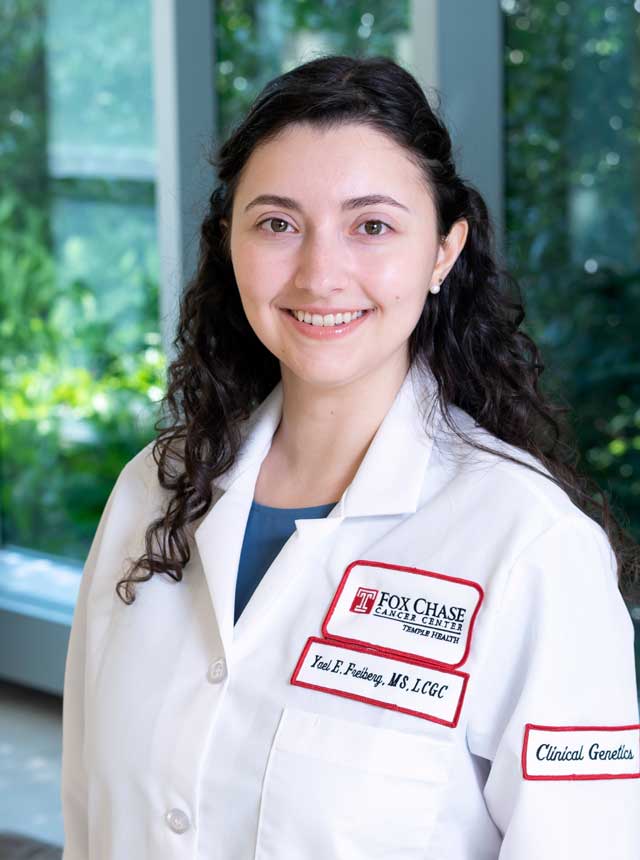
{"x":435,"y":288}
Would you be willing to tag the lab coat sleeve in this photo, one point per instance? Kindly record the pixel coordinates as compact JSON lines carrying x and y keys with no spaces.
{"x":560,"y":653}
{"x":74,"y":785}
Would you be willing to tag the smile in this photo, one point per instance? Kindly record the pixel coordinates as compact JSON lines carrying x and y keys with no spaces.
{"x":327,"y":319}
{"x":327,"y":326}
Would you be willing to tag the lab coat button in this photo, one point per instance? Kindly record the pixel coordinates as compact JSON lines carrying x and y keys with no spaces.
{"x":178,"y":820}
{"x":217,"y":671}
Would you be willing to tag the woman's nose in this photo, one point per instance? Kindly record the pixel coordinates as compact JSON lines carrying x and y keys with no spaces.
{"x":320,"y":266}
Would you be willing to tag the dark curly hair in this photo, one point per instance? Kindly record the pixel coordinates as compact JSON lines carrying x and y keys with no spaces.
{"x":469,"y":336}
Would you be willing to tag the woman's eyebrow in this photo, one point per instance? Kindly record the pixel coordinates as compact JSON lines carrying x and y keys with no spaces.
{"x":351,"y":203}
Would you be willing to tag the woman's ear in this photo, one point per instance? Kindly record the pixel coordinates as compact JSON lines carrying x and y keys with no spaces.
{"x":452,"y":246}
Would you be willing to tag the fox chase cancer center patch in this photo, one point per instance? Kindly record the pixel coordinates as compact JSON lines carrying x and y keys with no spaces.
{"x":581,"y":752}
{"x":405,"y":611}
{"x":380,"y":679}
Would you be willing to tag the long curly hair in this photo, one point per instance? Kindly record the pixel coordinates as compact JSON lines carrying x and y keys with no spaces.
{"x":468,"y":336}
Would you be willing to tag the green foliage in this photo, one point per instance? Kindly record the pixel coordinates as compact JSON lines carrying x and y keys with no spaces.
{"x":77,"y":394}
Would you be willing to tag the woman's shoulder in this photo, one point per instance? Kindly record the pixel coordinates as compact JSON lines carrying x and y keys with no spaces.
{"x":511,"y":515}
{"x":137,"y":486}
{"x":136,"y":498}
{"x":141,"y":466}
{"x":512,"y":484}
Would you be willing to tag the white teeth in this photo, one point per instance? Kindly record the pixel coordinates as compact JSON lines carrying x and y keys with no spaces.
{"x":327,"y":319}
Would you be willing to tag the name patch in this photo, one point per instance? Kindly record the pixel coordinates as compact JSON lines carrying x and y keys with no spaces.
{"x":581,"y":752}
{"x":405,"y":611}
{"x":363,"y":674}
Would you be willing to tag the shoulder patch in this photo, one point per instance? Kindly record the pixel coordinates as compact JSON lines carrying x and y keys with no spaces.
{"x":581,"y":752}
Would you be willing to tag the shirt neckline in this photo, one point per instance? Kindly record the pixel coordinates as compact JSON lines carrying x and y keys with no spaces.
{"x":270,"y":509}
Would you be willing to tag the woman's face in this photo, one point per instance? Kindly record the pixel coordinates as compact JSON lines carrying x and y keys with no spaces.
{"x":333,"y":245}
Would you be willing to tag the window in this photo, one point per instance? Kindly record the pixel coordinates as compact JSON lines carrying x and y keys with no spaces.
{"x":81,"y":360}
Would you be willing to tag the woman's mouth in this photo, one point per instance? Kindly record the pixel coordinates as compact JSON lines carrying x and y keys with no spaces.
{"x":323,"y":326}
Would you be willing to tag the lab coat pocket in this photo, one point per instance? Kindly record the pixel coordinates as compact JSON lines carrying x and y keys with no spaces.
{"x":338,"y":789}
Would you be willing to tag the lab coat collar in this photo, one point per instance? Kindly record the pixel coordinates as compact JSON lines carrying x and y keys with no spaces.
{"x":390,"y":476}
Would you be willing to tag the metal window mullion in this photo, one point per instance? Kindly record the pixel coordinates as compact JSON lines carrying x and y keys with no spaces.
{"x":184,"y":109}
{"x":458,"y":49}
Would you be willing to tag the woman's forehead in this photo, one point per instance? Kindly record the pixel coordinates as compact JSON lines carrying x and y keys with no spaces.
{"x":340,"y":162}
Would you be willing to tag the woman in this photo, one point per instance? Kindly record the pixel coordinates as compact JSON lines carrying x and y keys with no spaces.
{"x":389,"y":628}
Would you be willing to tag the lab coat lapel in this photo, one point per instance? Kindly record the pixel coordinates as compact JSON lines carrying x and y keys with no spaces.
{"x":388,"y":481}
{"x":302,"y":553}
{"x":220,"y":534}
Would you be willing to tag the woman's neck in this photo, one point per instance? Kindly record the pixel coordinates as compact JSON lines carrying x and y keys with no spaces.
{"x":323,"y":436}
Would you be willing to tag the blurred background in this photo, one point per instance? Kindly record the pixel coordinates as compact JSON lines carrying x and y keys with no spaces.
{"x":107,"y":112}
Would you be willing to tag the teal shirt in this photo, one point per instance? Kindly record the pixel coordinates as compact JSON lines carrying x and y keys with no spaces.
{"x":267,"y":531}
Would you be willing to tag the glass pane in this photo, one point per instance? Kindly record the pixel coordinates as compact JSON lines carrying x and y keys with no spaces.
{"x":256,"y":41}
{"x":80,"y":352}
{"x":99,"y":100}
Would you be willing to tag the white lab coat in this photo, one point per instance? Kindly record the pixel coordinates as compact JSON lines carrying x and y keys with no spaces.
{"x":184,"y":736}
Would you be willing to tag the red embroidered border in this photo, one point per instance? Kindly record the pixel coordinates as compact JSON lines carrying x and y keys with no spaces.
{"x":525,"y":744}
{"x":376,"y":652}
{"x":393,"y":651}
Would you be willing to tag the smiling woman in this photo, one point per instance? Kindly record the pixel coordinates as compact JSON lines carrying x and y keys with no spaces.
{"x":335,"y":304}
{"x":369,"y":579}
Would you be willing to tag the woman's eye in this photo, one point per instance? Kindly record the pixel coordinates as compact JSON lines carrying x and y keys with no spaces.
{"x":280,"y":221}
{"x":378,"y":223}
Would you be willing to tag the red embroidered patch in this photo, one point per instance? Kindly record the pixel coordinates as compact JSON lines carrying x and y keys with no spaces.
{"x":581,"y":752}
{"x":371,"y":676}
{"x":405,"y":611}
